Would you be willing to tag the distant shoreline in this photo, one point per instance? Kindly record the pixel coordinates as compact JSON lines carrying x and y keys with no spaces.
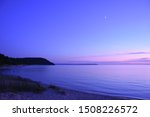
{"x":5,"y":60}
{"x":77,"y":64}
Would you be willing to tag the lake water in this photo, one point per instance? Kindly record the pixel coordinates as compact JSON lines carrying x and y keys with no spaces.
{"x":121,"y":80}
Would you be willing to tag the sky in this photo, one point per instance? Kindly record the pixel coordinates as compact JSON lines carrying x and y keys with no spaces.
{"x":73,"y":31}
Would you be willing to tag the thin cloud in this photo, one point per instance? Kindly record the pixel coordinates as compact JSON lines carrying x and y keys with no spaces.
{"x":133,"y":53}
{"x":141,"y":60}
{"x":139,"y":53}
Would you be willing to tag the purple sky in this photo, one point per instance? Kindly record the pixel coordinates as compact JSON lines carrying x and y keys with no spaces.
{"x":76,"y":30}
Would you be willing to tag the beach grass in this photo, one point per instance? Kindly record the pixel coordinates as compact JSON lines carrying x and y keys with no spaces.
{"x":10,"y":83}
{"x":58,"y":89}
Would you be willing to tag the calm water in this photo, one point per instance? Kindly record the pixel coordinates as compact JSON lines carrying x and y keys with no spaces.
{"x":122,"y":80}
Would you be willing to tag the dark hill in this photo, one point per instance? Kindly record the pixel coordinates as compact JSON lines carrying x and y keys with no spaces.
{"x":5,"y":60}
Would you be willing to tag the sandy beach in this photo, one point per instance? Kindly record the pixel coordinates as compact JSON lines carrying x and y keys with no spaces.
{"x":52,"y":92}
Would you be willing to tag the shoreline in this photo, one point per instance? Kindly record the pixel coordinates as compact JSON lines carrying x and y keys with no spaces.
{"x":52,"y":92}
